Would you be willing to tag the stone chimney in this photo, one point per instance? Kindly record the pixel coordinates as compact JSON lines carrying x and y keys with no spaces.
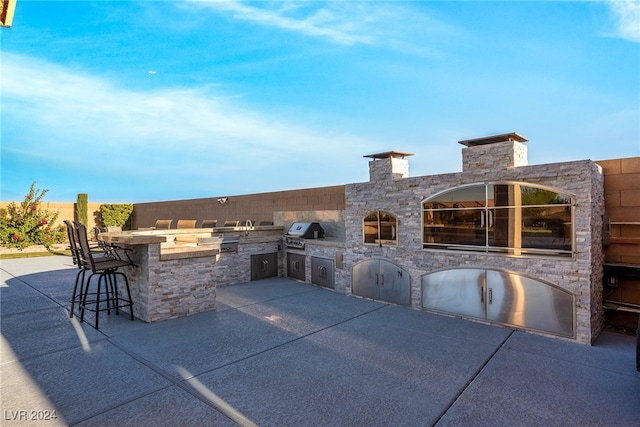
{"x":494,"y":152}
{"x":388,"y":166}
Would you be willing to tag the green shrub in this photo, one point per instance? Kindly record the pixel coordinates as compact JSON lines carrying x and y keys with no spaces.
{"x":27,"y":224}
{"x":82,"y":208}
{"x":118,"y":215}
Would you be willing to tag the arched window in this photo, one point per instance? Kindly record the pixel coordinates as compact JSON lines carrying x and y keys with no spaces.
{"x":380,"y":228}
{"x":507,"y":217}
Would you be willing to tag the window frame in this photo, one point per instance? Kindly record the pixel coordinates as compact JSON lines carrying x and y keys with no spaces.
{"x":378,"y":223}
{"x":485,"y":230}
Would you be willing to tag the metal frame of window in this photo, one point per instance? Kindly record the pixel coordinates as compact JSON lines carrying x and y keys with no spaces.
{"x":382,"y":236}
{"x":472,"y":222}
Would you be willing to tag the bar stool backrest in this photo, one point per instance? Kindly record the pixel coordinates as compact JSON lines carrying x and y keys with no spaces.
{"x":85,"y":249}
{"x":163,"y":224}
{"x":73,"y":243}
{"x":186,"y":223}
{"x":101,"y":243}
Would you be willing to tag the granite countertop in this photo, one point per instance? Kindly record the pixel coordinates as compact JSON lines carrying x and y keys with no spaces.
{"x":132,"y":237}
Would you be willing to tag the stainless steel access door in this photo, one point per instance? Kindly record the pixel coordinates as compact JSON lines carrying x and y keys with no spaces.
{"x":521,"y":301}
{"x":380,"y":279}
{"x":460,"y":291}
{"x":502,"y":297}
{"x":393,"y":283}
{"x":296,"y":266}
{"x":264,"y":266}
{"x":322,"y":272}
{"x":364,"y":279}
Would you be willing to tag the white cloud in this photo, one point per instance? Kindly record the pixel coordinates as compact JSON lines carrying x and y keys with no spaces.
{"x":53,"y":94}
{"x":79,"y":120}
{"x":626,"y":14}
{"x":295,"y":16}
{"x":381,"y":24}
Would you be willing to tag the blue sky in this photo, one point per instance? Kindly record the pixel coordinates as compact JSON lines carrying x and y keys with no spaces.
{"x":156,"y":100}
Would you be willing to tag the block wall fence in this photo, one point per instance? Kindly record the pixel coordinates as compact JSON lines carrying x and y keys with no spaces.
{"x":66,"y":211}
{"x":622,"y":206}
{"x":254,"y":207}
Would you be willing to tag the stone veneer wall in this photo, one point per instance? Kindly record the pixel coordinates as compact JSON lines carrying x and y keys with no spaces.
{"x":232,"y":268}
{"x":581,"y":276}
{"x":333,"y":251}
{"x":391,"y":168}
{"x":176,"y":287}
{"x":185,"y":286}
{"x":508,"y":154}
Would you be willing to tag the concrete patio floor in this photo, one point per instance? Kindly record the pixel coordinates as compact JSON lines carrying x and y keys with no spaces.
{"x":278,"y":352}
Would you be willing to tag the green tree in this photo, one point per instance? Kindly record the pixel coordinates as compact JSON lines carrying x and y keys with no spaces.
{"x":28,"y":224}
{"x":82,"y":208}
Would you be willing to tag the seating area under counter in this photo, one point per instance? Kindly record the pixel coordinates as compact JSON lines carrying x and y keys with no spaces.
{"x":177,"y":271}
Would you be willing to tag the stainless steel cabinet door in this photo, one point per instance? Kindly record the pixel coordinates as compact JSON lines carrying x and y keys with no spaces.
{"x":322,"y":272}
{"x":393,"y":283}
{"x":264,"y":266}
{"x":380,"y":279}
{"x":296,"y":266}
{"x":502,"y":297}
{"x":459,"y":291}
{"x":363,"y":281}
{"x":521,"y":301}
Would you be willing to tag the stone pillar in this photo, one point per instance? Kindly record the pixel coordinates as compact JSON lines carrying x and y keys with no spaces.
{"x":388,"y":169}
{"x":500,"y":155}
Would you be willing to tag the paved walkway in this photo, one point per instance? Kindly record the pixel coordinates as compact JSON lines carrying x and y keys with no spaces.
{"x":283,"y":353}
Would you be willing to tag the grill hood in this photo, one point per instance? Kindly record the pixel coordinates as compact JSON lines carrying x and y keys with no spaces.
{"x":306,"y":230}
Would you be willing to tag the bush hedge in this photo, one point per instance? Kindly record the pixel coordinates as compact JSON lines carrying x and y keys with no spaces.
{"x":27,"y":224}
{"x":118,"y":215}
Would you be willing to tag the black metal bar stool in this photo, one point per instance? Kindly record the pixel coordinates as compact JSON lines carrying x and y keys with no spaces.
{"x":106,"y":268}
{"x":74,"y":246}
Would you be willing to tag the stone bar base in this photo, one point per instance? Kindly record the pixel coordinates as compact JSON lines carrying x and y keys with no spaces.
{"x":175,"y":275}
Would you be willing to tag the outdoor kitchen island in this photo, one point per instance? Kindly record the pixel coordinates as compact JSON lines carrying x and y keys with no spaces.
{"x":177,"y":271}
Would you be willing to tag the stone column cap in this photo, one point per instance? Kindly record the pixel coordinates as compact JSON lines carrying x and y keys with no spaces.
{"x":505,"y":137}
{"x":389,"y":154}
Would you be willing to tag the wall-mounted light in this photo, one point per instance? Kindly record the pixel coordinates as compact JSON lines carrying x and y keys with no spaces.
{"x":223,"y":200}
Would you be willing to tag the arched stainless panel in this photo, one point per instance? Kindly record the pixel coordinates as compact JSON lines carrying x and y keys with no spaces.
{"x":522,"y":301}
{"x":363,"y":281}
{"x":458,"y":291}
{"x":394,"y":283}
{"x":381,"y":279}
{"x":501,"y":297}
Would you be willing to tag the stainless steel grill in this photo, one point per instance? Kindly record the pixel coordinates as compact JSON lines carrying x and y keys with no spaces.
{"x":300,"y":231}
